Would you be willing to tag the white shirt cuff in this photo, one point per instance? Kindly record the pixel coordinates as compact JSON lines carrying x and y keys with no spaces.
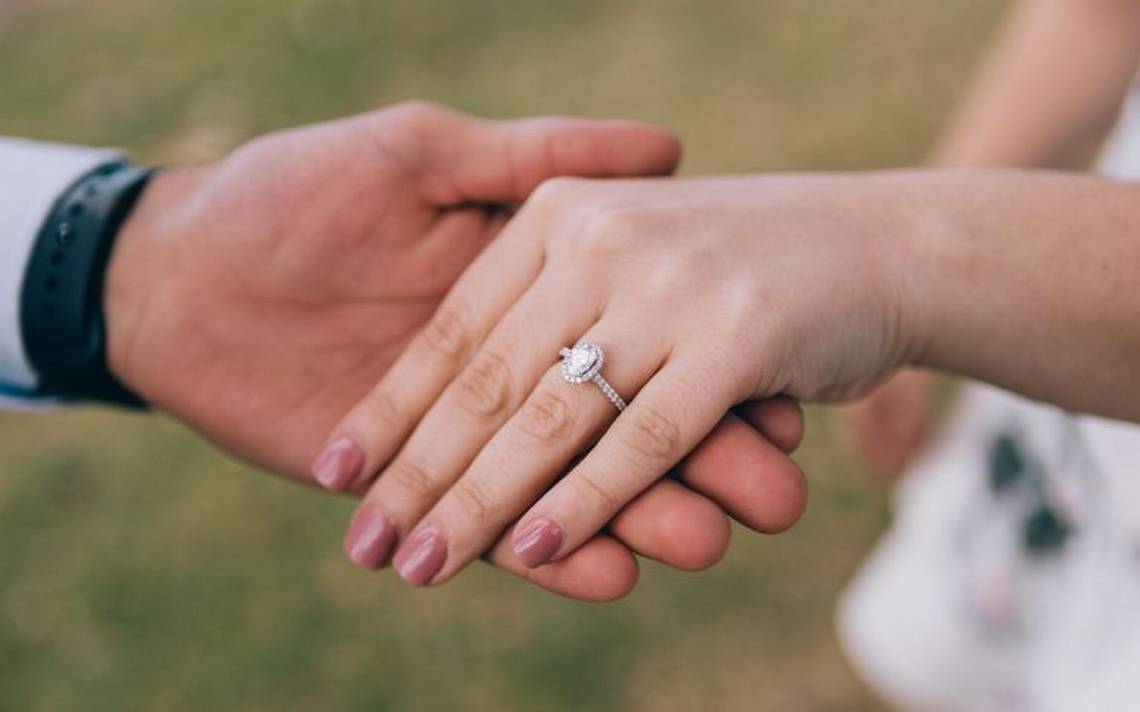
{"x":32,"y":176}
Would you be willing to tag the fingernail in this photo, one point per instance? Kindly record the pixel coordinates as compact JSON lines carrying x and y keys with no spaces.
{"x":537,"y":542}
{"x":370,"y":538}
{"x":421,"y":557}
{"x":338,"y":464}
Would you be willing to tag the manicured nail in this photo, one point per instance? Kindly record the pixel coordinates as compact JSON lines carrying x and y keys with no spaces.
{"x":535,"y":543}
{"x":338,"y":464}
{"x":421,"y":557}
{"x":370,"y":538}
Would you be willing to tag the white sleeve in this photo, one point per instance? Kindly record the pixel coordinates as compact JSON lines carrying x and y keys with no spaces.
{"x":32,"y":176}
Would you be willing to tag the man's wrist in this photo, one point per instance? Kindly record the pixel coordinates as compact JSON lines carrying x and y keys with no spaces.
{"x":61,"y":312}
{"x":143,"y":258}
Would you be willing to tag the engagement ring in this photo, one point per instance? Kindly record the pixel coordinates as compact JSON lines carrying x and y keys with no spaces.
{"x":584,"y":363}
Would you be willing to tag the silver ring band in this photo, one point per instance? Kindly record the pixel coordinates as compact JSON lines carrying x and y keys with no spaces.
{"x":584,"y":363}
{"x":610,"y":392}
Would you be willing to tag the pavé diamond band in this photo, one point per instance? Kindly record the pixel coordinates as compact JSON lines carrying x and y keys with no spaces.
{"x":584,"y":363}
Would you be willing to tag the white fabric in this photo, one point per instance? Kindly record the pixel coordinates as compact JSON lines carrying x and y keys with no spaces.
{"x":32,"y":177}
{"x":1120,"y":156}
{"x":952,"y":612}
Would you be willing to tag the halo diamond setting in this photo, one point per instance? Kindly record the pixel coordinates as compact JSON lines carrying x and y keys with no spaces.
{"x":583,"y":363}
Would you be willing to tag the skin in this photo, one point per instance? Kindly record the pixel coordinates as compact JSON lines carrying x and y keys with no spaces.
{"x":714,"y":291}
{"x":1053,"y":84}
{"x":258,"y":297}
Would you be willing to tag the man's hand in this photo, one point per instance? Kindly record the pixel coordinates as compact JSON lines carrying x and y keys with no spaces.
{"x":259,"y":297}
{"x":256,"y":297}
{"x":889,"y":427}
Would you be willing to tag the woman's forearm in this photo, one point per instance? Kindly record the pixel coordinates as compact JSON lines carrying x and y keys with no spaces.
{"x":1028,"y":280}
{"x":1056,"y":77}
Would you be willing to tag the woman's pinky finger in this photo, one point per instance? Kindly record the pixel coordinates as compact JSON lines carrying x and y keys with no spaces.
{"x":741,"y":468}
{"x":667,"y":419}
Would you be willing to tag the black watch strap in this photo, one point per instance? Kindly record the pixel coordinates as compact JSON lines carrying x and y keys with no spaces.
{"x":61,"y":304}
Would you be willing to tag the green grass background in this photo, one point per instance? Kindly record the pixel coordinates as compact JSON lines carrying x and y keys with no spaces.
{"x":141,"y":570}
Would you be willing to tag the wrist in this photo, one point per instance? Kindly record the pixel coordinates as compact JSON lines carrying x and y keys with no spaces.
{"x":143,"y":260}
{"x":930,"y":262}
{"x":62,"y":320}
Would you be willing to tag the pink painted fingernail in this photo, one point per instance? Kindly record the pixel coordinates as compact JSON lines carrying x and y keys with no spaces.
{"x":338,"y":464}
{"x":370,"y":538}
{"x":421,"y":557}
{"x":537,"y":542}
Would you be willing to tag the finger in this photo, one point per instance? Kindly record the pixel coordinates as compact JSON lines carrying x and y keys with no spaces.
{"x":555,"y":423}
{"x":602,"y":570}
{"x":475,"y":405}
{"x":373,"y":430}
{"x":736,"y":470}
{"x":676,"y":409}
{"x":668,"y":523}
{"x":672,"y":524}
{"x":748,"y":476}
{"x":473,"y":160}
{"x":779,"y":419}
{"x":888,"y":427}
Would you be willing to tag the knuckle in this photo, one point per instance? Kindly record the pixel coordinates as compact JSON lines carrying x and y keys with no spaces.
{"x":673,"y":274}
{"x":380,"y":408}
{"x":415,"y":110}
{"x":446,"y":334}
{"x":652,"y":434}
{"x":592,"y":488}
{"x":740,"y":306}
{"x":607,"y":229}
{"x":414,"y":479}
{"x":547,"y":417}
{"x":483,"y":389}
{"x":553,"y":193}
{"x":475,"y":501}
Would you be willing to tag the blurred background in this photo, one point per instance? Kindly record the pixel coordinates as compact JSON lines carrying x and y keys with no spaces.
{"x":139,"y":569}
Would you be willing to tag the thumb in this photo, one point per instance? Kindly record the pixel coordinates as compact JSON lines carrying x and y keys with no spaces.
{"x":468,"y":160}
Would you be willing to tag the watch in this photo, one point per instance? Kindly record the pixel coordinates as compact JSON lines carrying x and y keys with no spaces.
{"x":61,"y":302}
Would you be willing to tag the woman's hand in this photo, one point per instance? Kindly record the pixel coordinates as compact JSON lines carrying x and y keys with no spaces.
{"x":258,"y":298}
{"x":704,"y":294}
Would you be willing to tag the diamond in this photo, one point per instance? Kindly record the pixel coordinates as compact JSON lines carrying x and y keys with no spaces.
{"x":582,"y":362}
{"x":580,"y":359}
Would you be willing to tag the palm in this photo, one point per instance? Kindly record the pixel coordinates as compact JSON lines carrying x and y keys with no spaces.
{"x":324,"y":265}
{"x":322,"y":250}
